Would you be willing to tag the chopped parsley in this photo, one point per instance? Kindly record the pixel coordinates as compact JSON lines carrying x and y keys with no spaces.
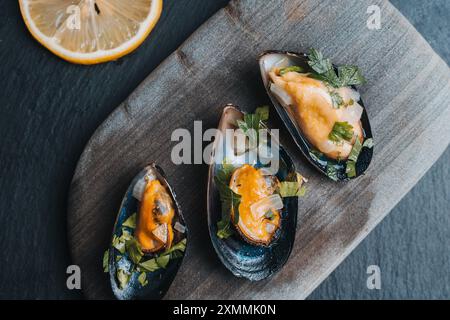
{"x":318,"y":63}
{"x":263,"y":113}
{"x":123,"y":277}
{"x":106,"y":261}
{"x":224,"y":229}
{"x":163,"y":259}
{"x":134,"y":250}
{"x":292,"y":189}
{"x":143,"y":279}
{"x":356,"y":150}
{"x":130,"y":248}
{"x":346,"y":75}
{"x":350,"y":169}
{"x":251,"y":124}
{"x":332,"y":172}
{"x":149,"y":265}
{"x":130,"y":222}
{"x":368,"y":143}
{"x":341,"y":131}
{"x":230,"y":201}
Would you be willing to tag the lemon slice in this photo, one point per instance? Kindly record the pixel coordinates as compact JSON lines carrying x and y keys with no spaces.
{"x":90,"y":31}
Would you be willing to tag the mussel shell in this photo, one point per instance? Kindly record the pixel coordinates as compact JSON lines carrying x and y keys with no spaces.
{"x":266,"y":61}
{"x":242,"y":258}
{"x":160,"y":280}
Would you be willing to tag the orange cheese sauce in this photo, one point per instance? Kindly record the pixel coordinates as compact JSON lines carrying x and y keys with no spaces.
{"x":313,"y":111}
{"x":251,"y":185}
{"x":156,"y":210}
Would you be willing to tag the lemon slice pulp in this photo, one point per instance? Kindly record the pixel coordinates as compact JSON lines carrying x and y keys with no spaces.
{"x":90,"y":31}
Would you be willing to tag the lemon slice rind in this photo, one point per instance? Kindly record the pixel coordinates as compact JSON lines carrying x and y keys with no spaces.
{"x":97,"y":56}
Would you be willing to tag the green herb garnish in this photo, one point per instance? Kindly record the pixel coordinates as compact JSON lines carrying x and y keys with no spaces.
{"x":230,"y":202}
{"x":332,"y":172}
{"x":118,"y":244}
{"x":368,"y":143}
{"x":350,"y":76}
{"x":149,"y":265}
{"x":126,"y":235}
{"x":224,"y":175}
{"x":134,"y":250}
{"x":291,"y":69}
{"x":350,"y":169}
{"x":291,"y":189}
{"x":106,"y":261}
{"x":318,"y":63}
{"x":130,"y":222}
{"x":123,"y":277}
{"x":176,"y":254}
{"x":347,"y":75}
{"x":143,"y":279}
{"x":180,"y":246}
{"x":224,"y":229}
{"x":341,"y":131}
{"x":356,"y":150}
{"x":126,"y":243}
{"x":162,"y":260}
{"x":230,"y":199}
{"x":263,"y":113}
{"x":250,"y":121}
{"x":251,"y":124}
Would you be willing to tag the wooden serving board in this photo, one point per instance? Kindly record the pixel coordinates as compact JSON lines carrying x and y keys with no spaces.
{"x":407,"y":98}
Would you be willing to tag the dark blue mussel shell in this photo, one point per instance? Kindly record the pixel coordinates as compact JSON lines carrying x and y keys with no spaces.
{"x":254,"y":262}
{"x":266,"y":61}
{"x":160,"y":280}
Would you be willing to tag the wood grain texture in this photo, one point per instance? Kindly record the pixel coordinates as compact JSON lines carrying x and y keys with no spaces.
{"x":406,"y":97}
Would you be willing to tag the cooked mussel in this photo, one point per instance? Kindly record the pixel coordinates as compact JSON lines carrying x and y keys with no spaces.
{"x":322,"y":110}
{"x":252,"y":204}
{"x":149,"y":239}
{"x":259,"y":207}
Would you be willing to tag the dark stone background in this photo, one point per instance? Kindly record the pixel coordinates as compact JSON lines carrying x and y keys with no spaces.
{"x":50,"y":108}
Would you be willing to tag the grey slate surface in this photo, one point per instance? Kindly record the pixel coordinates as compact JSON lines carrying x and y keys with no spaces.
{"x":46,"y":122}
